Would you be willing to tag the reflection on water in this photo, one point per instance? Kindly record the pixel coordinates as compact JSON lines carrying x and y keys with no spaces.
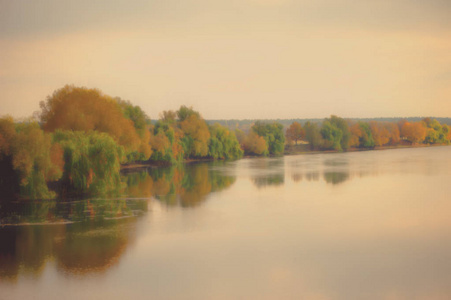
{"x":44,"y":212}
{"x":364,"y":225}
{"x":90,"y":235}
{"x":78,"y":248}
{"x":336,"y":177}
{"x":183,"y":185}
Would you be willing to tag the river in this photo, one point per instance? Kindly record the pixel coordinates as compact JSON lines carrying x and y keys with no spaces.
{"x":360,"y":225}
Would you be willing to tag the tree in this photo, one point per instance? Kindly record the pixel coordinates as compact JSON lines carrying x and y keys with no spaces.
{"x":356,"y":134}
{"x":436,"y":133}
{"x":332,"y":136}
{"x":82,"y":109}
{"x":195,"y":131}
{"x":393,"y":130}
{"x":91,"y":162}
{"x":253,"y":144}
{"x":168,"y":116}
{"x":7,"y":133}
{"x":273,"y":135}
{"x":361,"y":135}
{"x":28,"y":158}
{"x":294,"y":133}
{"x":414,"y":132}
{"x":342,"y":125}
{"x":312,"y":135}
{"x":184,"y":112}
{"x":366,"y":140}
{"x":223,"y":143}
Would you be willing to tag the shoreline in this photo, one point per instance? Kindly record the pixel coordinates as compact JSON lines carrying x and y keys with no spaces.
{"x":287,"y":152}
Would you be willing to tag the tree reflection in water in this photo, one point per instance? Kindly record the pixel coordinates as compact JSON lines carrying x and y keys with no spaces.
{"x":77,"y":248}
{"x":183,"y":185}
{"x":91,"y":235}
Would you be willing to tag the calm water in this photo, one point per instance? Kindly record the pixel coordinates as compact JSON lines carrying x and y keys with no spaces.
{"x":367,"y":225}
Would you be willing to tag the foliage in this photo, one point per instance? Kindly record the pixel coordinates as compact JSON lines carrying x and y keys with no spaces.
{"x":332,"y":136}
{"x":384,"y":133}
{"x":28,"y":154}
{"x":342,"y":125}
{"x":183,"y":113}
{"x":414,"y":132}
{"x":223,"y":143}
{"x":436,"y":133}
{"x":82,"y":109}
{"x":141,"y":122}
{"x":312,"y":135}
{"x":253,"y":144}
{"x":195,"y":133}
{"x":294,"y":133}
{"x":361,"y":135}
{"x":273,"y":135}
{"x":166,"y":142}
{"x":7,"y":133}
{"x":92,"y":162}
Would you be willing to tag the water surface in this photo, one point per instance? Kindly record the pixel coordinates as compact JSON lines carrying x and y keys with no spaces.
{"x":361,"y":225}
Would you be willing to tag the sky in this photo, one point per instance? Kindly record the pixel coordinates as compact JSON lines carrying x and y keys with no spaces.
{"x":235,"y":59}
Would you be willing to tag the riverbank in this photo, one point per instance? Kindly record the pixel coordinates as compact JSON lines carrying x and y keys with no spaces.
{"x":304,"y":149}
{"x":300,"y":149}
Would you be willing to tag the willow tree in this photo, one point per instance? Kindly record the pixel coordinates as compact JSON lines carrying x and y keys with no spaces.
{"x":92,"y":162}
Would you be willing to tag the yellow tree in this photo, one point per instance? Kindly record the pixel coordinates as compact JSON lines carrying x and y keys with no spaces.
{"x":414,"y":132}
{"x":356,"y":134}
{"x":28,"y":155}
{"x":195,"y":132}
{"x":81,"y":109}
{"x":294,"y":133}
{"x":255,"y":144}
{"x":381,"y":134}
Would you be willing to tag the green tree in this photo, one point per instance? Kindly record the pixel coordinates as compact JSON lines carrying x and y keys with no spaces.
{"x":223,"y":143}
{"x":273,"y":135}
{"x":362,"y":134}
{"x":313,"y":135}
{"x":342,"y":125}
{"x":92,"y":162}
{"x":195,"y":133}
{"x":332,"y":136}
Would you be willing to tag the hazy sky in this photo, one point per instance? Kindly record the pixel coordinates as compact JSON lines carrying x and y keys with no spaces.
{"x":233,"y":59}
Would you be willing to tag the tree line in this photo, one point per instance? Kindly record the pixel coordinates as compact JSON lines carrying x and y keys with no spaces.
{"x":80,"y":138}
{"x":338,"y":134}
